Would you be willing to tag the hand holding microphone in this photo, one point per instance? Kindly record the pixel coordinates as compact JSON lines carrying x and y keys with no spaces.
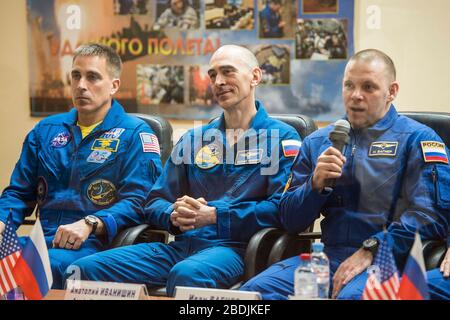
{"x":331,"y":161}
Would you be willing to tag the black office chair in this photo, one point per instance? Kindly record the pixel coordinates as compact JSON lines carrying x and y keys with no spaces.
{"x":438,"y":121}
{"x":259,"y":246}
{"x":288,"y":245}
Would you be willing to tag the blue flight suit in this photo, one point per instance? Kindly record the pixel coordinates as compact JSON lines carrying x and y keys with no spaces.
{"x":232,"y":180}
{"x":385,"y":182}
{"x":106,"y":174}
{"x":269,"y":22}
{"x":439,"y":287}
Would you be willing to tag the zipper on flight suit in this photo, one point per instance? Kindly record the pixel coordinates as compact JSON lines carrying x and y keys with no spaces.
{"x":97,"y":134}
{"x":353,"y":151}
{"x":434,"y":177}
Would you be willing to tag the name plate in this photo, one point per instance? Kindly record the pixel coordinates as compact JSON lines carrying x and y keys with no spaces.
{"x":95,"y":290}
{"x":191,"y":293}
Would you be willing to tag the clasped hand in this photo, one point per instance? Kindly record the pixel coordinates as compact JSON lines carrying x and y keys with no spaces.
{"x":189,"y":213}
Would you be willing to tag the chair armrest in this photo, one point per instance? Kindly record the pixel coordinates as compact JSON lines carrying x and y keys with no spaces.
{"x":289,"y":245}
{"x":258,"y":250}
{"x":139,"y":234}
{"x":433,"y":253}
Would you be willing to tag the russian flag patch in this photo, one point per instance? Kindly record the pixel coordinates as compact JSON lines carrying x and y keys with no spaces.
{"x":291,"y":147}
{"x":434,"y":151}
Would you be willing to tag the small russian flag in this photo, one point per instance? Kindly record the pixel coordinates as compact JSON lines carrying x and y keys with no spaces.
{"x":291,"y":147}
{"x":32,"y":270}
{"x":414,"y":279}
{"x":434,"y":151}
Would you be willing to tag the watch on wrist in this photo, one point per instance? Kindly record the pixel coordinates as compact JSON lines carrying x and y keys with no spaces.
{"x":371,"y":245}
{"x":91,"y":221}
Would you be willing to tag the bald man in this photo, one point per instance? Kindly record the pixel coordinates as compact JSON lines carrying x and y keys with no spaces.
{"x":386,"y":176}
{"x":222,"y":184}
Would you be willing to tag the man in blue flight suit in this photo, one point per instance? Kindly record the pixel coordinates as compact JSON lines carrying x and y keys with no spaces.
{"x":270,"y":20}
{"x":222,"y":184}
{"x":89,"y":170}
{"x":391,"y":174}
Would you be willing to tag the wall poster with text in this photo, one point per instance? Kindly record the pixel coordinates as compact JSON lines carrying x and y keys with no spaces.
{"x":302,"y":47}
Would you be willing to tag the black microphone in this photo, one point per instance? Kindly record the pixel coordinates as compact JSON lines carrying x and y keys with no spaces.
{"x":339,"y":137}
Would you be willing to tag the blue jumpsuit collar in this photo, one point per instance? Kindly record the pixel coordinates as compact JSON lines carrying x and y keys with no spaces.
{"x":256,"y":123}
{"x":384,"y":123}
{"x":387,"y":121}
{"x":113,"y":117}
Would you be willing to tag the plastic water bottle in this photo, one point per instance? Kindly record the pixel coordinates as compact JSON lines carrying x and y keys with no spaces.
{"x":321,"y":267}
{"x":305,"y":283}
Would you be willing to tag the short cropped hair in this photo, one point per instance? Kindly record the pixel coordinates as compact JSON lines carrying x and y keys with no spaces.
{"x":113,"y":61}
{"x":374,"y":54}
{"x":246,"y":55}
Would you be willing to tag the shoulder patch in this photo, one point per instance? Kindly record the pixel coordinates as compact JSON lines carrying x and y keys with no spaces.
{"x":291,"y":147}
{"x":150,"y":143}
{"x":434,"y":151}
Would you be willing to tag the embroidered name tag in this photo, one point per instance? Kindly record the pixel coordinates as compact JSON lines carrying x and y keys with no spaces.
{"x":383,"y":149}
{"x":106,"y":144}
{"x":114,"y":133}
{"x":248,"y":157}
{"x":434,"y":151}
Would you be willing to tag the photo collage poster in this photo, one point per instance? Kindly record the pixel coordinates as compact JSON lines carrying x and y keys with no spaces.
{"x":302,"y":47}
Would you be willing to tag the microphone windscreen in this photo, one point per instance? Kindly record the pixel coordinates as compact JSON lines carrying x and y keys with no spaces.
{"x":339,"y":136}
{"x":342,"y":125}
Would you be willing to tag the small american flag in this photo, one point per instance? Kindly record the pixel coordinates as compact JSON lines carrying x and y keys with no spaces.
{"x":150,"y":143}
{"x":10,"y":251}
{"x":383,"y":284}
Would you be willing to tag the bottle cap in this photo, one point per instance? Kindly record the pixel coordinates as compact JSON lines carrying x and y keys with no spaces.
{"x":305,"y":256}
{"x":317,"y":246}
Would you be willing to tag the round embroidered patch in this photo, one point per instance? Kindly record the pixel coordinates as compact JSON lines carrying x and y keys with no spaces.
{"x":101,"y":192}
{"x":208,"y":157}
{"x":41,"y":190}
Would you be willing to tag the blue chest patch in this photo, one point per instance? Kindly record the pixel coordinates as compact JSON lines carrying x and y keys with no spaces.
{"x":383,"y":149}
{"x":248,"y":157}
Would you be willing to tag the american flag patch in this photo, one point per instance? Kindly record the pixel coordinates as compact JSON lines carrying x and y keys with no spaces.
{"x":150,"y":143}
{"x":434,"y":151}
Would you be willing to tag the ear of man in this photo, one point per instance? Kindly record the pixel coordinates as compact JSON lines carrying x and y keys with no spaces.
{"x":115,"y":86}
{"x":393,"y":91}
{"x":257,"y":76}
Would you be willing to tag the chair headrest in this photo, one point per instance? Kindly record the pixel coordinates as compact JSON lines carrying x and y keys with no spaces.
{"x":438,"y":121}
